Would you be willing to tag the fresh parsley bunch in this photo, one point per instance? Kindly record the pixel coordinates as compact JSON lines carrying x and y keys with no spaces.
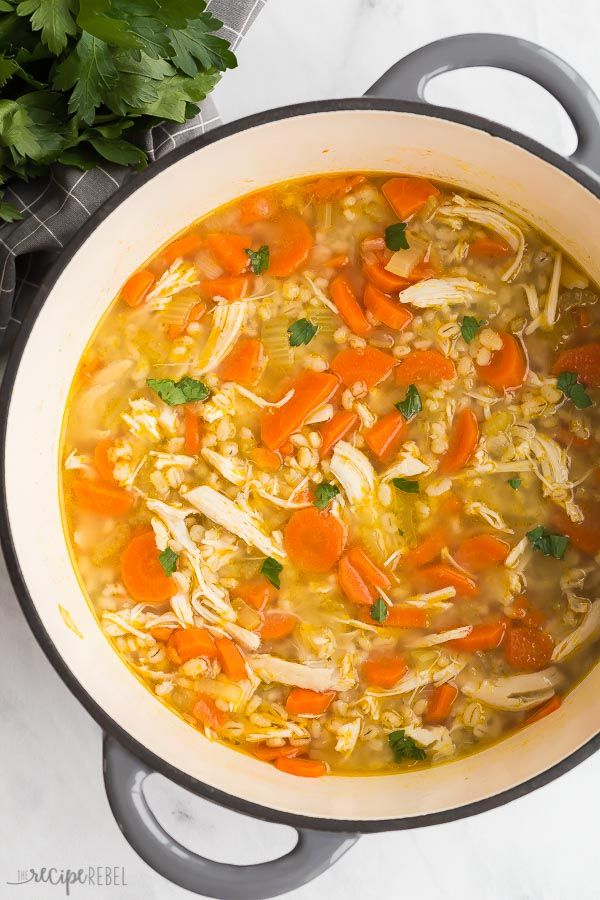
{"x":79,"y":78}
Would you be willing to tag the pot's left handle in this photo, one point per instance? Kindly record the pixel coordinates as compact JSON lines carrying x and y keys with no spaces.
{"x":314,"y":853}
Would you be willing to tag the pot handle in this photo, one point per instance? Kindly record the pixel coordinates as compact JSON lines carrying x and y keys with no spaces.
{"x":314,"y":853}
{"x":408,"y":78}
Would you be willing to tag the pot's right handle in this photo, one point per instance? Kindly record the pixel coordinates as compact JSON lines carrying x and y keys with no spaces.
{"x":407,"y":79}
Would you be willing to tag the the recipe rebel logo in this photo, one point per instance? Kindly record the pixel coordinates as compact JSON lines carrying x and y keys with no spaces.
{"x":90,"y":876}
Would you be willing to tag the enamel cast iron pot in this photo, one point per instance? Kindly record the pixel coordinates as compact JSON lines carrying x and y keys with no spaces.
{"x":400,"y":135}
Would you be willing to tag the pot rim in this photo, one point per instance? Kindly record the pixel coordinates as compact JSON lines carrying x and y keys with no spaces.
{"x":28,"y":607}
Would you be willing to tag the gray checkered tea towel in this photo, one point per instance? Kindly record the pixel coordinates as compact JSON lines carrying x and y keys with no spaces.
{"x":55,"y":208}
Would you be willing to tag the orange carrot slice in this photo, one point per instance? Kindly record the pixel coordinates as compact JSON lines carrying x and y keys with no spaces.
{"x":528,"y":649}
{"x":432,"y":578}
{"x":161,"y":633}
{"x":245,"y":362}
{"x":384,"y":670}
{"x":544,"y":710}
{"x":429,"y":366}
{"x":270,"y":754}
{"x":135,"y":288}
{"x":584,"y":360}
{"x":231,"y":659}
{"x":429,"y":549}
{"x":314,"y":539}
{"x":256,"y":208}
{"x":585,"y":536}
{"x":369,"y":570}
{"x":463,"y":442}
{"x":189,"y":643}
{"x":386,"y":310}
{"x":367,"y":364}
{"x":100,"y":498}
{"x":311,"y":390}
{"x":192,"y":431}
{"x":383,"y":280}
{"x":407,"y":195}
{"x":337,"y":428}
{"x":386,"y":435}
{"x":230,"y":287}
{"x":338,"y":262}
{"x":303,"y":702}
{"x":102,"y":462}
{"x":488,"y":636}
{"x":208,"y":713}
{"x":278,"y":625}
{"x":440,"y":703}
{"x":301,"y":766}
{"x":508,"y":366}
{"x":348,"y":306}
{"x":142,"y":573}
{"x":354,"y":585}
{"x":398,"y":617}
{"x":229,"y":250}
{"x":488,"y":248}
{"x":182,"y":247}
{"x":257,"y":591}
{"x":265,"y":459}
{"x":481,"y":551}
{"x":327,"y":189}
{"x":290,"y":245}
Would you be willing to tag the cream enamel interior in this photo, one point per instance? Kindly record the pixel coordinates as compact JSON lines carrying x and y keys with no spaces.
{"x":288,"y":148}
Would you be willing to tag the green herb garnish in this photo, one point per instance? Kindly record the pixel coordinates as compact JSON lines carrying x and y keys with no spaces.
{"x":324,"y":494}
{"x":469,"y":327}
{"x":259,"y":259}
{"x":78,"y":78}
{"x":271,"y":569}
{"x":301,"y":332}
{"x":515,"y":483}
{"x":186,"y":390}
{"x":379,"y":611}
{"x":168,"y":560}
{"x":547,"y":543}
{"x":411,"y":405}
{"x":406,"y":485}
{"x":395,"y":237}
{"x":567,"y":383}
{"x":404,"y":747}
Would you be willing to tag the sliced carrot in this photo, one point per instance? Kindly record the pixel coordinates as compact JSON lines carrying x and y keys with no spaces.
{"x":354,"y":585}
{"x":182,"y":247}
{"x":189,"y":643}
{"x":464,"y":438}
{"x":137,"y":286}
{"x":287,"y":449}
{"x":245,"y":362}
{"x":422,"y":271}
{"x":301,"y":766}
{"x":440,"y":703}
{"x":142,"y":574}
{"x":229,"y":250}
{"x":328,"y":189}
{"x":314,"y":539}
{"x":256,"y":208}
{"x":265,"y":459}
{"x":488,"y":636}
{"x":230,"y":287}
{"x":450,"y":504}
{"x":386,"y":435}
{"x":338,"y":262}
{"x":528,"y":649}
{"x":231,"y":659}
{"x":336,"y":428}
{"x":407,"y":195}
{"x":101,"y":498}
{"x":488,"y":248}
{"x":383,"y":280}
{"x":192,"y":431}
{"x":161,"y":633}
{"x":386,"y":310}
{"x":432,"y":578}
{"x":429,"y":549}
{"x":585,"y":536}
{"x":270,"y":754}
{"x":429,"y":366}
{"x":208,"y":713}
{"x":369,"y":570}
{"x":544,"y":710}
{"x":508,"y":366}
{"x":311,"y":390}
{"x":348,"y":306}
{"x":367,"y":364}
{"x":398,"y":617}
{"x":584,"y":360}
{"x":102,"y":461}
{"x":303,"y":702}
{"x":194,"y":314}
{"x":384,"y":670}
{"x":278,"y":625}
{"x":257,"y":591}
{"x":481,"y":551}
{"x":290,"y":245}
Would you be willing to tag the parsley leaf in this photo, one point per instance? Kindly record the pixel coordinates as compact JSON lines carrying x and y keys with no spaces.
{"x":379,"y":611}
{"x":567,"y":383}
{"x":515,"y":483}
{"x":403,"y":747}
{"x":469,"y":327}
{"x":547,"y":543}
{"x":301,"y":332}
{"x":324,"y":494}
{"x":406,"y":485}
{"x":259,"y":259}
{"x":168,"y":560}
{"x":395,"y":237}
{"x":54,"y":18}
{"x":271,"y":569}
{"x":186,"y":390}
{"x":411,"y":405}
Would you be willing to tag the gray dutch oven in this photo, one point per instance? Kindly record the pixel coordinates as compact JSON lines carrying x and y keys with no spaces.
{"x":376,"y":133}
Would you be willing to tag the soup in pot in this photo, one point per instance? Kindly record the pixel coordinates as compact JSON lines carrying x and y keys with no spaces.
{"x":329,"y":474}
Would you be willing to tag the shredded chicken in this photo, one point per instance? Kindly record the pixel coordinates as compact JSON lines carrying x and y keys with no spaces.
{"x":353,"y":471}
{"x":224,"y":512}
{"x":435,"y":292}
{"x":228,"y":320}
{"x":515,"y":692}
{"x":314,"y":678}
{"x":587,"y":631}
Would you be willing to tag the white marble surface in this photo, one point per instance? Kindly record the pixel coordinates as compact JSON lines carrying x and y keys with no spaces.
{"x":52,"y":802}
